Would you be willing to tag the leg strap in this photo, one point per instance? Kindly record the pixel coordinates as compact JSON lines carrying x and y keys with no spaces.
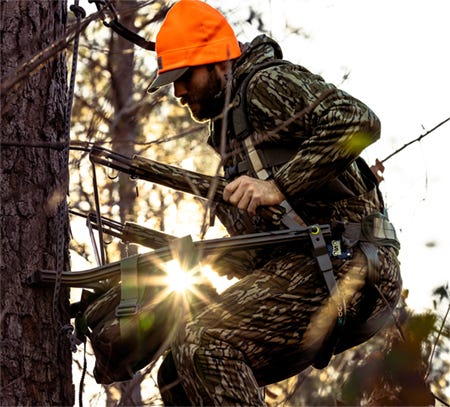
{"x":321,"y":253}
{"x":374,"y":230}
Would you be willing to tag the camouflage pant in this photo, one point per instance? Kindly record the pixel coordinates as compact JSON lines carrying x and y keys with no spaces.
{"x":270,"y":326}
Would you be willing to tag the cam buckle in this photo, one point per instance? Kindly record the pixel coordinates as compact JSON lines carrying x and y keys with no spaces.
{"x":127,"y":308}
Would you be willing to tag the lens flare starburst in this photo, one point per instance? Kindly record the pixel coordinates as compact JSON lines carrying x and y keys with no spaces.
{"x":177,"y":279}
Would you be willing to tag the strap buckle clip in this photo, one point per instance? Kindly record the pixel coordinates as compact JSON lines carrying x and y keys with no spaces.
{"x":127,"y":307}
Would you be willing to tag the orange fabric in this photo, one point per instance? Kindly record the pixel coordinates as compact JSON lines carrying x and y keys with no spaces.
{"x":194,"y":33}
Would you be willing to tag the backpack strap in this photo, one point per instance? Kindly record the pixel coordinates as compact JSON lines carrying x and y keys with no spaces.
{"x":241,"y":126}
{"x":129,"y":298}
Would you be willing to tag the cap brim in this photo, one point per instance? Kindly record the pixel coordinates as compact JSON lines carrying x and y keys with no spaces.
{"x":165,"y":78}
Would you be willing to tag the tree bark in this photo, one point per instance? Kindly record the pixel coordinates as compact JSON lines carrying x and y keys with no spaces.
{"x":124,"y":126}
{"x":35,"y":357}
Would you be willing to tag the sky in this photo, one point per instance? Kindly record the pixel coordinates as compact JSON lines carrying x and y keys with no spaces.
{"x":395,"y":53}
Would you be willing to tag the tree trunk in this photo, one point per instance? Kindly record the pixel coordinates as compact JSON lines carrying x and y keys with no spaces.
{"x":35,"y":357}
{"x":124,"y":126}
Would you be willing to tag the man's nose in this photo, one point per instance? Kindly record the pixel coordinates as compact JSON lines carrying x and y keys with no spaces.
{"x":179,"y":88}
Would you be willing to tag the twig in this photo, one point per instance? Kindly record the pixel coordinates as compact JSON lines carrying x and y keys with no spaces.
{"x":417,"y":139}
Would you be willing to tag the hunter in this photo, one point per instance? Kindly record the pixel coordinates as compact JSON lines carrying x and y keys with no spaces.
{"x":292,"y":140}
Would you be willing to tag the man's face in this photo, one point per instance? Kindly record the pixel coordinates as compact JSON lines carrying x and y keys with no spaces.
{"x":200,"y":88}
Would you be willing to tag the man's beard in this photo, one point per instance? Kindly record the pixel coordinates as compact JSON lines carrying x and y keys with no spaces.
{"x":208,"y":101}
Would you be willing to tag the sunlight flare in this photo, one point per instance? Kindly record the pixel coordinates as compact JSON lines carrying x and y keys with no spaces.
{"x":177,"y":279}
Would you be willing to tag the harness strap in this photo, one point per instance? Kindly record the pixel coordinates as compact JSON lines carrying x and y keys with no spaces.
{"x":373,"y":262}
{"x":254,"y":159}
{"x":320,"y":249}
{"x":270,"y":158}
{"x":374,"y":230}
{"x":129,"y":298}
{"x":239,"y":118}
{"x":291,"y":219}
{"x":322,"y":256}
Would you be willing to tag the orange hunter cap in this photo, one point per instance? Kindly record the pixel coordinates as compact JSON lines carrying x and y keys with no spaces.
{"x":193,"y":33}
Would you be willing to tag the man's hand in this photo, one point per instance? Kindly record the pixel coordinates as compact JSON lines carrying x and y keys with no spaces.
{"x":378,"y":170}
{"x":248,"y":193}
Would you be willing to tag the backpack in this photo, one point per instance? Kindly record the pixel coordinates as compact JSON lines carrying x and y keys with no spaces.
{"x":125,"y":336}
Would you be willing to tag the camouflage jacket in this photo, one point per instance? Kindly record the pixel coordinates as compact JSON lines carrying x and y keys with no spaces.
{"x":322,"y":179}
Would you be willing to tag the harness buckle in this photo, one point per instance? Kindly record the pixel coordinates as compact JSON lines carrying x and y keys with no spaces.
{"x":127,"y":308}
{"x":336,"y":251}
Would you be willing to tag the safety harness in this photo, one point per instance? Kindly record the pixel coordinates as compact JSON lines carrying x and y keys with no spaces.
{"x":375,"y":230}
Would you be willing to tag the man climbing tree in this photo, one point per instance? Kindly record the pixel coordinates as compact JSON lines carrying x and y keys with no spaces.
{"x":288,"y":138}
{"x":35,"y":353}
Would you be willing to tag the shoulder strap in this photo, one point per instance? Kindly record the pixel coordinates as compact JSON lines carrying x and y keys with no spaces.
{"x":241,"y":126}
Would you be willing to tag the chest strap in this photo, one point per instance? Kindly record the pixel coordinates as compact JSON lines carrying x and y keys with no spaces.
{"x":272,"y":157}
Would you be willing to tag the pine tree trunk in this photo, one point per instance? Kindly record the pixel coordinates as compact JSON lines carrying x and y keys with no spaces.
{"x":124,"y":126}
{"x":35,"y":358}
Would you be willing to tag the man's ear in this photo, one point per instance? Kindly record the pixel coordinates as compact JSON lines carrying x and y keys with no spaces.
{"x":222,"y":69}
{"x":223,"y":66}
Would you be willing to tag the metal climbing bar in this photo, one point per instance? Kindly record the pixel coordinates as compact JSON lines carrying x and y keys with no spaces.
{"x":201,"y":185}
{"x":128,"y":232}
{"x":94,"y":278}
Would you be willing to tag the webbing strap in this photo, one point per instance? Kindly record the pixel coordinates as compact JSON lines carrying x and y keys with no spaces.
{"x":290,"y":219}
{"x":129,"y":35}
{"x":110,"y":18}
{"x":321,"y":253}
{"x":374,"y":230}
{"x":129,"y":298}
{"x":255,"y":159}
{"x":270,"y":158}
{"x":322,"y":256}
{"x":373,"y":262}
{"x":183,"y":249}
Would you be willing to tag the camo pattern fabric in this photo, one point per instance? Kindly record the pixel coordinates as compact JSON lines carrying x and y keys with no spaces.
{"x":271,"y":324}
{"x":327,"y":139}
